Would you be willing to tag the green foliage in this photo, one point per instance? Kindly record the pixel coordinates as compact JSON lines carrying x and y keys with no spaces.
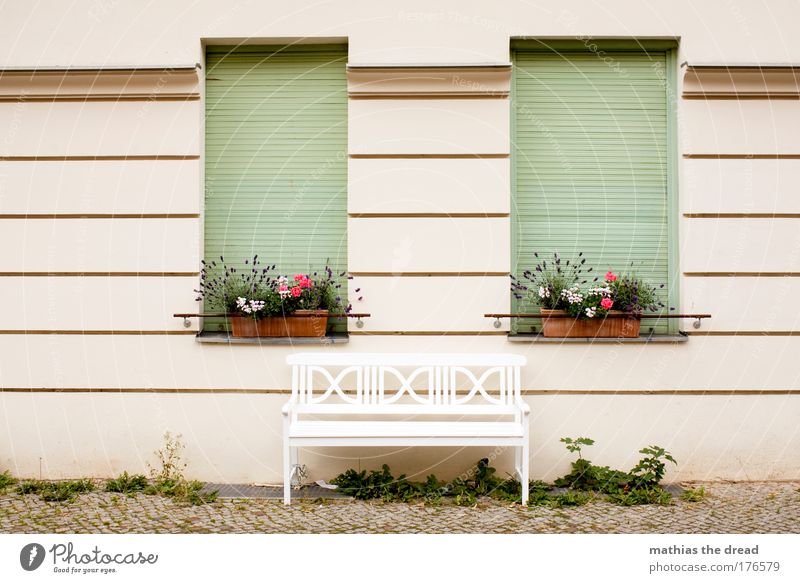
{"x":636,"y":496}
{"x":575,"y":445}
{"x":126,"y":484}
{"x":693,"y":494}
{"x":651,"y":468}
{"x":543,"y":284}
{"x":632,"y":294}
{"x":464,"y":491}
{"x":638,"y":486}
{"x":167,"y":477}
{"x":6,"y":481}
{"x":570,"y":498}
{"x":62,"y":491}
{"x":585,"y":480}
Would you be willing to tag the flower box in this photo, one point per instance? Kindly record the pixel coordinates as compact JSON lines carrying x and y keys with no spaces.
{"x":300,"y":324}
{"x":259,"y":303}
{"x":574,"y":307}
{"x":599,"y":327}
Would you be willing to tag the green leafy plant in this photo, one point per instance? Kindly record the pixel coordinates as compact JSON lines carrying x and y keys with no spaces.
{"x":463,"y":491}
{"x":637,"y":496}
{"x":6,"y":481}
{"x":127,"y":484}
{"x":632,"y":294}
{"x":641,"y":485}
{"x":61,"y":491}
{"x":574,"y":445}
{"x":651,"y":468}
{"x":167,"y":477}
{"x":694,"y":494}
{"x":570,"y":498}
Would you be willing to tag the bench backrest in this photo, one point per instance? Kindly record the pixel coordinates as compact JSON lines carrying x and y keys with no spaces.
{"x":376,"y":379}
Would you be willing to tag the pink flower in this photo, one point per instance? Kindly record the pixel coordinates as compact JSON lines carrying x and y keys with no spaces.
{"x":610,"y":276}
{"x":606,"y":303}
{"x":298,"y":276}
{"x":296,"y":291}
{"x":305,"y":282}
{"x":283,"y":288}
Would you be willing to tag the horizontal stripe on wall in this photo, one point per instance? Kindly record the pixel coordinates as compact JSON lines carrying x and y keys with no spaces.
{"x":430,"y":274}
{"x":99,"y":273}
{"x":424,"y":67}
{"x":742,"y":156}
{"x":742,"y":274}
{"x":81,"y":70}
{"x":744,"y":333}
{"x":742,"y":215}
{"x":527,"y":392}
{"x":101,"y":216}
{"x":95,"y":98}
{"x":427,"y":215}
{"x":101,"y":332}
{"x":99,"y":158}
{"x":425,"y":156}
{"x":428,"y":95}
{"x":740,"y":96}
{"x":428,"y":333}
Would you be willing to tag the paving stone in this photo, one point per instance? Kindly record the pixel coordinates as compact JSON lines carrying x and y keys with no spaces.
{"x":751,"y":507}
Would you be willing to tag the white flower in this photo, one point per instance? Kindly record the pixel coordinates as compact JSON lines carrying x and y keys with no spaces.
{"x":544,"y":292}
{"x":572,"y":295}
{"x":591,"y":312}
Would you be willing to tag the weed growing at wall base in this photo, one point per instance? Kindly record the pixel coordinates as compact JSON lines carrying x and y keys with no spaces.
{"x":6,"y":481}
{"x":64,"y":491}
{"x":584,"y":483}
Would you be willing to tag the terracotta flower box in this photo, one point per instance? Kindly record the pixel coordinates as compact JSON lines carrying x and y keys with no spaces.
{"x":599,"y":327}
{"x":300,"y":324}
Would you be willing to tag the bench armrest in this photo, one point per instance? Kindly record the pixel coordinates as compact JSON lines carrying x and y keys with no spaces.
{"x":287,"y":407}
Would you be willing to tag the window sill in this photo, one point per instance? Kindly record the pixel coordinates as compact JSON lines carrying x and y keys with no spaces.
{"x":654,"y":339}
{"x":224,"y":338}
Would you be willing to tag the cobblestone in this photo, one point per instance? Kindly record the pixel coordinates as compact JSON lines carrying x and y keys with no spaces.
{"x":763,"y":507}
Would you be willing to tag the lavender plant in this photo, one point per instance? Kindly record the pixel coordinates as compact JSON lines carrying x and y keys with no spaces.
{"x":258,"y":292}
{"x":545,"y":284}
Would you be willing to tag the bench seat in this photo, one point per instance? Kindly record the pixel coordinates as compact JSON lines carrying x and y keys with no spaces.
{"x":416,"y":429}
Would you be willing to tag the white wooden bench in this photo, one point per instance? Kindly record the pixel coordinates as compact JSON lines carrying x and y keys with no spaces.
{"x":372,"y":399}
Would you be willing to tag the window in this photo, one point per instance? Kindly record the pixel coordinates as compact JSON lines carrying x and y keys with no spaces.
{"x":276,"y":156}
{"x":592,"y":161}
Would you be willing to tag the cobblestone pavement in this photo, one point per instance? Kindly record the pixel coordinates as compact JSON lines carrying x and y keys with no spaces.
{"x":764,"y":507}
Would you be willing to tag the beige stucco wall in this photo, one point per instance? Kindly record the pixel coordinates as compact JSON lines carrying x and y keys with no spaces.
{"x":81,"y":332}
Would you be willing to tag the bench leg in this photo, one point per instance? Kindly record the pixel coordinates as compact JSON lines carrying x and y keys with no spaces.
{"x":287,"y":464}
{"x":525,"y":469}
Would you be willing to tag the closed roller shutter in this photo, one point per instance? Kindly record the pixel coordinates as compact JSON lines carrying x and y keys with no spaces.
{"x":276,"y":155}
{"x":590,"y":159}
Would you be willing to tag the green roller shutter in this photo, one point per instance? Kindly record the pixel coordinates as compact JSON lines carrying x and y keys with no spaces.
{"x":276,"y":155}
{"x":590,"y":159}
